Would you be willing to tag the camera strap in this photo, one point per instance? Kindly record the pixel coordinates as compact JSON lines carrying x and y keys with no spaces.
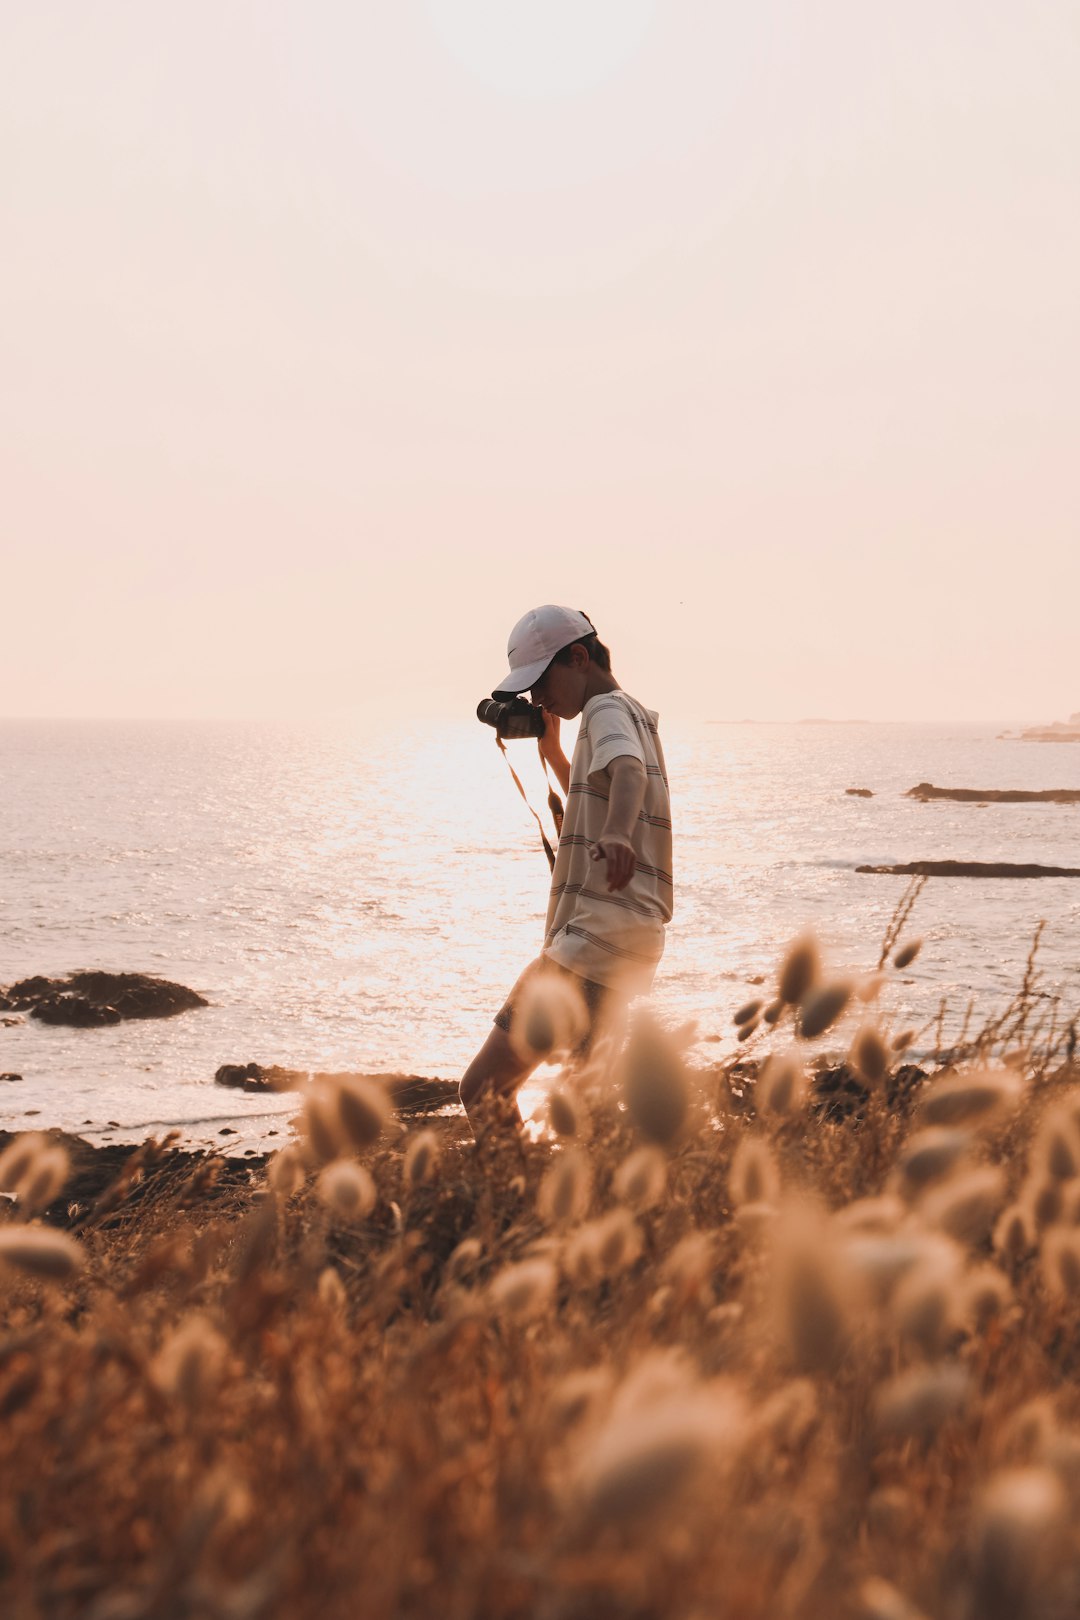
{"x":554,"y":803}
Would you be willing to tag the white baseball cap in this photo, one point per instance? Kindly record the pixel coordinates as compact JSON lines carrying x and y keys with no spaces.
{"x":535,"y":640}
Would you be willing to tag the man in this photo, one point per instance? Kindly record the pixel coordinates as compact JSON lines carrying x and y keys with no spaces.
{"x":611,"y":889}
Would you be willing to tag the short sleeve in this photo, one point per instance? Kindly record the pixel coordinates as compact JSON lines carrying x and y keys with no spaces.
{"x":613,"y":732}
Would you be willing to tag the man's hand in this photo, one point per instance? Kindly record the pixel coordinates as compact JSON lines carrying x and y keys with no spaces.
{"x":620,"y":858}
{"x":550,"y":745}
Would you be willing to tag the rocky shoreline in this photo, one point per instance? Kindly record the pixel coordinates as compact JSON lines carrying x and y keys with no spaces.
{"x":925,"y":791}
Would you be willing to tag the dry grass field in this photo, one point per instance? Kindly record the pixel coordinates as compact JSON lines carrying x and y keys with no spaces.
{"x":754,"y":1343}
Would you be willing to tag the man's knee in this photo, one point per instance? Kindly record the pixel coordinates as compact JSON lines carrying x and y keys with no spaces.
{"x":495,"y":1070}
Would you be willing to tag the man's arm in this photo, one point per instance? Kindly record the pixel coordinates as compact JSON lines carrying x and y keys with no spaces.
{"x":615,"y":844}
{"x":552,"y":750}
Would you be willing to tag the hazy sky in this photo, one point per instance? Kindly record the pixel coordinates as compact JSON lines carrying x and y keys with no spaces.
{"x":334,"y":335}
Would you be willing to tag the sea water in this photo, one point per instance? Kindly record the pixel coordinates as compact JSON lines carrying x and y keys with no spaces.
{"x":350,"y":897}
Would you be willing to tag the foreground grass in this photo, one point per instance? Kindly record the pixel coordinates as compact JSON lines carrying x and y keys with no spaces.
{"x":712,"y":1349}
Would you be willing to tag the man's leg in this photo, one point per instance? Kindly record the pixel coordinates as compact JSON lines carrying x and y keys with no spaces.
{"x":493,"y":1075}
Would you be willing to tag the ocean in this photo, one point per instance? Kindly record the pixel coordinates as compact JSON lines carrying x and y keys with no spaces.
{"x":354,"y":897}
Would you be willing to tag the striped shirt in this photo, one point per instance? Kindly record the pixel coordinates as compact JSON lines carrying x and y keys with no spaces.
{"x":612,"y":937}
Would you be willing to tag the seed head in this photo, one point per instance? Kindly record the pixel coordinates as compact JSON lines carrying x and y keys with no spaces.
{"x":565,"y":1189}
{"x":800,"y":970}
{"x":822,"y":1007}
{"x":881,"y":1261}
{"x":974,"y":1100}
{"x":363,"y":1108}
{"x":525,"y":1290}
{"x":643,"y":1461}
{"x":1029,"y":1431}
{"x":772,"y":1013}
{"x":1014,"y":1234}
{"x":347,"y":1190}
{"x":286,"y":1172}
{"x":578,"y":1395}
{"x":870,"y":1055}
{"x":604,"y":1247}
{"x":907,"y":954}
{"x":987,"y":1296}
{"x":754,"y":1178}
{"x":1020,"y":1512}
{"x":889,"y":1510}
{"x":321,"y":1124}
{"x":564,"y":1112}
{"x":551,"y":1017}
{"x":689,"y":1266}
{"x":781,"y":1086}
{"x":331,"y":1290}
{"x":747,"y":1011}
{"x":18,"y":1157}
{"x":928,"y":1156}
{"x":655,"y":1083}
{"x":965,"y":1206}
{"x":1057,"y":1147}
{"x":812,"y":1294}
{"x":40,"y":1252}
{"x":189,"y":1363}
{"x":44,"y":1180}
{"x":464,"y":1259}
{"x":1061,"y":1261}
{"x":641,"y":1179}
{"x":923,"y":1305}
{"x":421,"y":1159}
{"x":916,"y":1403}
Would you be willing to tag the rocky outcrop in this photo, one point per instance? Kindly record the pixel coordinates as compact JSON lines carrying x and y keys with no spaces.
{"x":90,"y":1000}
{"x":859,"y":793}
{"x":925,"y":791}
{"x":253,"y":1077}
{"x":408,"y":1093}
{"x":974,"y":869}
{"x":1057,"y":731}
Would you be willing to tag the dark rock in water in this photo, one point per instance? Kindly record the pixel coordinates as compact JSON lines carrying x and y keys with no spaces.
{"x":253,"y":1077}
{"x":137,"y":995}
{"x":926,"y":791}
{"x":838,"y":1093}
{"x":86,"y":1000}
{"x":75,"y":1011}
{"x":973,"y":869}
{"x":24,"y":994}
{"x":9,"y":1077}
{"x":859,"y":793}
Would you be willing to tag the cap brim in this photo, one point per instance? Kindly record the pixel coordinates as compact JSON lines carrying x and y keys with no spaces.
{"x":519,"y":680}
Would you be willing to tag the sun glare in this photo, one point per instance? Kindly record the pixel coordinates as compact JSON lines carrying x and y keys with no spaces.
{"x":541,"y":47}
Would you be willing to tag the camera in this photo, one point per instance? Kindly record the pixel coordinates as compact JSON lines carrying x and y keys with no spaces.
{"x":518,"y":718}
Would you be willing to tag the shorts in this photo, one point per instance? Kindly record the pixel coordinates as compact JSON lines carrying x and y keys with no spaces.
{"x":603,"y":1005}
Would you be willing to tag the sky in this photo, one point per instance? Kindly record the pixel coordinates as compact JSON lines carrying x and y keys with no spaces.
{"x":334,"y":336}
